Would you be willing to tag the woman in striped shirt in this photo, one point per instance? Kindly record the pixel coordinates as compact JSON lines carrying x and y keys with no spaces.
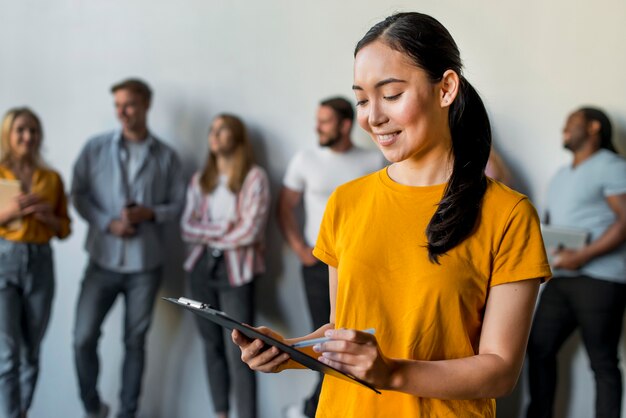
{"x":224,"y":221}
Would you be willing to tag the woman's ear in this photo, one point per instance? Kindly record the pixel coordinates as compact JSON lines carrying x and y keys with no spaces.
{"x":449,"y":87}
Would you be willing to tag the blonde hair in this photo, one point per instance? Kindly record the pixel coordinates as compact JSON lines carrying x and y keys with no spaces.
{"x":5,"y":135}
{"x":243,"y":158}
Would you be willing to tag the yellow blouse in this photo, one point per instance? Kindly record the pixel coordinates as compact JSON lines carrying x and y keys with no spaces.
{"x":48,"y":185}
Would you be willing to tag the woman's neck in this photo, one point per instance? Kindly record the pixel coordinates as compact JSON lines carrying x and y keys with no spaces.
{"x":433,"y":168}
{"x":25,"y":164}
{"x":23,"y":170}
{"x":224,"y":165}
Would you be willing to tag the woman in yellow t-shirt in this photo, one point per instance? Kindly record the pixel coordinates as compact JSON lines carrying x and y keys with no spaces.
{"x":33,"y":209}
{"x":443,"y":262}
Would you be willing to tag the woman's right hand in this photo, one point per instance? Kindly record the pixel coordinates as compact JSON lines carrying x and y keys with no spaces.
{"x":22,"y":205}
{"x":256,"y":354}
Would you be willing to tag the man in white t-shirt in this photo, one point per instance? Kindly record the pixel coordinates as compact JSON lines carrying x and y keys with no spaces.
{"x":311,"y":177}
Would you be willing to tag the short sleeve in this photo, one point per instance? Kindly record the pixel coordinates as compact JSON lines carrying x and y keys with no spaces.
{"x":521,"y":254}
{"x":325,"y":247}
{"x":61,"y":208}
{"x":294,"y":178}
{"x":615,"y":178}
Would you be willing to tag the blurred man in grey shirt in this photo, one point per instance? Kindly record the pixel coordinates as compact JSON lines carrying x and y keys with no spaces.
{"x":588,"y":289}
{"x":127,"y":185}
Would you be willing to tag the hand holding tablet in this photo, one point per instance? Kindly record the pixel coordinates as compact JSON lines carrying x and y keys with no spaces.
{"x":313,"y":341}
{"x":207,"y":312}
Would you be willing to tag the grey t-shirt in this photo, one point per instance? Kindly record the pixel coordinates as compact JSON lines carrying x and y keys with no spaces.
{"x":577,"y":199}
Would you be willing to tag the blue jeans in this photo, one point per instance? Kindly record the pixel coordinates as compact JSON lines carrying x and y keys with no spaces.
{"x":26,"y":291}
{"x":98,"y":292}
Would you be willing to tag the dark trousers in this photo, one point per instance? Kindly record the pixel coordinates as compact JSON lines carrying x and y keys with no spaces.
{"x":596,"y":307}
{"x":318,"y":297}
{"x":208,"y":282}
{"x":99,"y":290}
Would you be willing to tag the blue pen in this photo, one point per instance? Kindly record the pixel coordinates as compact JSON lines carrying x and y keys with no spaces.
{"x":313,"y":341}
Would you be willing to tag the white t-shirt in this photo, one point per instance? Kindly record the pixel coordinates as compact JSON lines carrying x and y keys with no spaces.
{"x":317,"y":172}
{"x":222,"y":203}
{"x":137,"y":154}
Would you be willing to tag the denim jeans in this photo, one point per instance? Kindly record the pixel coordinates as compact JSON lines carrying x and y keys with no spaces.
{"x":596,"y":307}
{"x":318,"y":297}
{"x":225,"y":369}
{"x":99,"y":290}
{"x":26,"y":291}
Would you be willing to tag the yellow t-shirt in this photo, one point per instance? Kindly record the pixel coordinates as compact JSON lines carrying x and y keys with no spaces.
{"x":373,"y":232}
{"x":49,"y":186}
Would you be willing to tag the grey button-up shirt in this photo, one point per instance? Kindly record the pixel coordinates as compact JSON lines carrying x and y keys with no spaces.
{"x":100,"y":192}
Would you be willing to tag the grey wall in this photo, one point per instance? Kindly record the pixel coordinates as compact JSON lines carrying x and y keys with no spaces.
{"x":270,"y":62}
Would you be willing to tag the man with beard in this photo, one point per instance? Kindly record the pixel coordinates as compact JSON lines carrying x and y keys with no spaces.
{"x":588,"y":290}
{"x":127,"y":185}
{"x":311,"y":177}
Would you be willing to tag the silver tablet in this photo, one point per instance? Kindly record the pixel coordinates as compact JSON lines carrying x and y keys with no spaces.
{"x":555,"y":238}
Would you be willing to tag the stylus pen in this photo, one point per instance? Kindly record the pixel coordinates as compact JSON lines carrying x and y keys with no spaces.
{"x":313,"y":341}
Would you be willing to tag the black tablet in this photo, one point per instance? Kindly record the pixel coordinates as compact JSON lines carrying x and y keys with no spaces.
{"x":222,"y":319}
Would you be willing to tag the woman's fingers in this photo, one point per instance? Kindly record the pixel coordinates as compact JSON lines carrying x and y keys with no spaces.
{"x":353,"y":335}
{"x":347,"y":341}
{"x":25,"y":200}
{"x":239,"y":339}
{"x":347,"y":353}
{"x":353,"y":352}
{"x":258,"y":355}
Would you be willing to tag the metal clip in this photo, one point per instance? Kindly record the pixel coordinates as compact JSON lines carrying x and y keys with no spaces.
{"x":192,"y":303}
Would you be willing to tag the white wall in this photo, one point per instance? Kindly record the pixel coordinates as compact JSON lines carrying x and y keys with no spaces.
{"x":271,"y":61}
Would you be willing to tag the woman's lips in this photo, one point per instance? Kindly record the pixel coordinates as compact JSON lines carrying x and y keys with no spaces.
{"x":386,"y":140}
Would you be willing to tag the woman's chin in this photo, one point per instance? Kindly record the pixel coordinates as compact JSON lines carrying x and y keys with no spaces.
{"x":392,"y":157}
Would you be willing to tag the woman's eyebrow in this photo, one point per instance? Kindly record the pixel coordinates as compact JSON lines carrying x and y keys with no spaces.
{"x":381,"y":83}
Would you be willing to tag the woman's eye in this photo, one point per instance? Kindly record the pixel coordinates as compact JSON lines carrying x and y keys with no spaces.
{"x":361,"y":102}
{"x":394,"y":97}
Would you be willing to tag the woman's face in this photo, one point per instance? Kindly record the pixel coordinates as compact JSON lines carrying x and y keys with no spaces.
{"x":398,"y":105}
{"x":221,"y":140}
{"x":25,"y":137}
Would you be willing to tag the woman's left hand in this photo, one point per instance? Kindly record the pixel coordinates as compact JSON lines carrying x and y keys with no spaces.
{"x":43,"y":212}
{"x":356,"y":353}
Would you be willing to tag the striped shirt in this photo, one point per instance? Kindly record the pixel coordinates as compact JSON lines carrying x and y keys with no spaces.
{"x":241,"y":241}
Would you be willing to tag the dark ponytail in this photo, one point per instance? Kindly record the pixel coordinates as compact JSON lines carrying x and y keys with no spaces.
{"x":432,"y":49}
{"x":606,"y":130}
{"x":459,"y":208}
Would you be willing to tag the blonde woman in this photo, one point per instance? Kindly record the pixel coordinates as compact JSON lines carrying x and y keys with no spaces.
{"x":224,"y":220}
{"x":27,"y":224}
